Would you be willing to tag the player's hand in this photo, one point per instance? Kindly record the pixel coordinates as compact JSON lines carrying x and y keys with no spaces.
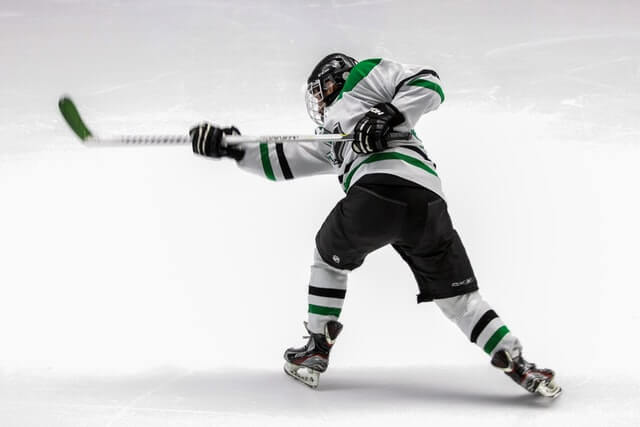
{"x":208,"y":140}
{"x":370,"y":133}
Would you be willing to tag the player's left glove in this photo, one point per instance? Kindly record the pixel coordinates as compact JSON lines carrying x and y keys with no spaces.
{"x":370,"y":133}
{"x":207,"y":140}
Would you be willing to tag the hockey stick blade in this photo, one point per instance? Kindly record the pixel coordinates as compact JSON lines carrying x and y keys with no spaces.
{"x":73,"y":119}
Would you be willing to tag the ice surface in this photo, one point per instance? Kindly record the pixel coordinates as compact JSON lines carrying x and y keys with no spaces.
{"x":137,"y":285}
{"x":409,"y":396}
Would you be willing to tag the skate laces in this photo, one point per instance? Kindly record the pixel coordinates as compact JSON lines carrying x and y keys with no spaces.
{"x":522,"y":366}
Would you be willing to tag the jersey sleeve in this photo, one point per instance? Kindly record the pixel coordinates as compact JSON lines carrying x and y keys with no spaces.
{"x":412,"y":89}
{"x":283,"y":161}
{"x":417,"y":91}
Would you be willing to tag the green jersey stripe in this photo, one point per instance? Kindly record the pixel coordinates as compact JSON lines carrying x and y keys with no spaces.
{"x":266,"y":162}
{"x":388,"y":156}
{"x":358,"y":72}
{"x":495,"y":339}
{"x":324,"y":311}
{"x":429,"y":85}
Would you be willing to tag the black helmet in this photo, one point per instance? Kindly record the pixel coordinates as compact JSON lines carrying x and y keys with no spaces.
{"x":325,"y":83}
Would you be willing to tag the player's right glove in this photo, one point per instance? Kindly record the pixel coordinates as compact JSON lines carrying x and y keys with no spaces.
{"x":207,"y":140}
{"x":371,"y":131}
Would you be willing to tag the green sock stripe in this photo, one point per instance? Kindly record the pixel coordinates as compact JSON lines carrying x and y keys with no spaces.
{"x":495,"y":339}
{"x":388,"y":156}
{"x":266,"y":162}
{"x":324,"y":311}
{"x":429,"y":85}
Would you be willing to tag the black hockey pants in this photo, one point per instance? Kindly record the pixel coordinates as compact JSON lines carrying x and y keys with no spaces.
{"x":383,"y":209}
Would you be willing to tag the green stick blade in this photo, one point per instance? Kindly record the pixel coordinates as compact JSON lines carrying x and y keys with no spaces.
{"x":73,"y":119}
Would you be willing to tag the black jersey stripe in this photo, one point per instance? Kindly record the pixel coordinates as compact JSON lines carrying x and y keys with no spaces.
{"x":346,"y":168}
{"x":418,"y":74}
{"x":327,"y":292}
{"x":284,"y":164}
{"x":416,"y":150}
{"x":481,"y":324}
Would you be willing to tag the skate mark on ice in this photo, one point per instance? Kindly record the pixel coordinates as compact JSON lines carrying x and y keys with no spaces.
{"x":134,"y":83}
{"x":11,"y":14}
{"x":123,"y":411}
{"x":133,"y":410}
{"x":592,"y":83}
{"x":338,"y":4}
{"x":591,"y":66}
{"x":557,"y":41}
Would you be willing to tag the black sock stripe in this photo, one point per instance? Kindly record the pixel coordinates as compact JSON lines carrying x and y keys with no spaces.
{"x":421,"y":73}
{"x":482,"y":323}
{"x":326,"y":292}
{"x":284,"y":165}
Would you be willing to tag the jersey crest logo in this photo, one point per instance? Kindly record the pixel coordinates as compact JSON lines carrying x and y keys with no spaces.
{"x":336,"y":155}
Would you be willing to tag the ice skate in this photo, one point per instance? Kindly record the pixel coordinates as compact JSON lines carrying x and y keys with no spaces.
{"x":527,"y":375}
{"x":306,"y":363}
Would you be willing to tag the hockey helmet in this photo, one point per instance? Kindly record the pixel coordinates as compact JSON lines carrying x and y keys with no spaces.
{"x":325,"y":83}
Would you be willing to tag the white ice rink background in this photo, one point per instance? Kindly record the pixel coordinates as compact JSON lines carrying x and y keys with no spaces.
{"x":147,"y":287}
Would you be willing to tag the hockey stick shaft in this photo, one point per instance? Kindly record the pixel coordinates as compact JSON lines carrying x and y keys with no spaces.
{"x":75,"y":122}
{"x":231,"y":140}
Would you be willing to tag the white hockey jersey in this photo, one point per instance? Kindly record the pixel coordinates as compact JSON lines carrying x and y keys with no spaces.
{"x":413,"y":90}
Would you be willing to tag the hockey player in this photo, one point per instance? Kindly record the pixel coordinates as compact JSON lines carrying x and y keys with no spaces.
{"x":393,"y":196}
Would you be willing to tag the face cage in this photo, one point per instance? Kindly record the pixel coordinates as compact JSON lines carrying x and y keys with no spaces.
{"x":314,"y":100}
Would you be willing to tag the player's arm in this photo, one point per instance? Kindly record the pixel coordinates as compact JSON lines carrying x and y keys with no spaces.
{"x":274,"y":161}
{"x":406,"y":92}
{"x":283,"y":161}
{"x":417,"y":91}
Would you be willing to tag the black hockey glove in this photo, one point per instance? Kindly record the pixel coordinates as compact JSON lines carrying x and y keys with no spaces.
{"x":370,"y":133}
{"x":206,"y":140}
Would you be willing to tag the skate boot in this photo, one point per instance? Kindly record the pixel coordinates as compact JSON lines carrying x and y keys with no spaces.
{"x":527,"y":375}
{"x":306,"y":363}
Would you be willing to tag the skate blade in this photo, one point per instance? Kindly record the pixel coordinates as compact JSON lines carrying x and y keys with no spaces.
{"x":549,"y":389}
{"x":305,"y":375}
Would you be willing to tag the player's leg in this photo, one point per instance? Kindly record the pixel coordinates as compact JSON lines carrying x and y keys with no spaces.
{"x":479,"y":323}
{"x":360,"y":223}
{"x":482,"y":326}
{"x":327,"y":290}
{"x":444,"y":274}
